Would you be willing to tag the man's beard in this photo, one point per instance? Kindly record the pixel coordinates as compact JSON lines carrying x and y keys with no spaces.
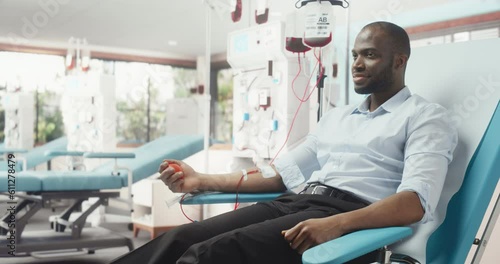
{"x":381,"y":83}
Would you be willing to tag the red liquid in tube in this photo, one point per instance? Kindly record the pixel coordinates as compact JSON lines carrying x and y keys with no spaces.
{"x":318,"y":42}
{"x":296,"y":45}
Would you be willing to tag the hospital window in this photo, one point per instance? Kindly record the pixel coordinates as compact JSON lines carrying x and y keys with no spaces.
{"x":224,"y":107}
{"x":454,"y":35}
{"x":141,"y":93}
{"x":42,"y":76}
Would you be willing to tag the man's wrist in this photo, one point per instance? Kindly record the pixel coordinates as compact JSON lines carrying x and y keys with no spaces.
{"x":345,"y":223}
{"x":203,"y":183}
{"x":217,"y":182}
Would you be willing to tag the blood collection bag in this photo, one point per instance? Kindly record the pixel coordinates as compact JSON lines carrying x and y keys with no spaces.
{"x":236,"y":14}
{"x":261,"y":12}
{"x":294,"y":32}
{"x":318,"y":24}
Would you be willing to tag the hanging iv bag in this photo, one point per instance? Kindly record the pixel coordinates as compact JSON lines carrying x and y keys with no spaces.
{"x":319,"y":24}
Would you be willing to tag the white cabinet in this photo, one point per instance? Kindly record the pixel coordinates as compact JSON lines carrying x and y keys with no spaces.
{"x":151,"y":212}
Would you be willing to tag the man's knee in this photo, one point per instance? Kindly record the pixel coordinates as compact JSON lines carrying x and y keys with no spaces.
{"x":187,"y":235}
{"x":221,"y":248}
{"x":171,"y":245}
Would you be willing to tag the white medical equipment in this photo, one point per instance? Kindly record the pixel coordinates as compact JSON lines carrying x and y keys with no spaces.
{"x":19,"y":120}
{"x":264,"y":104}
{"x":90,"y":112}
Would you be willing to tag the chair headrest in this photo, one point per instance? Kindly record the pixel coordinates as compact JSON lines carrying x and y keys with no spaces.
{"x":457,"y":77}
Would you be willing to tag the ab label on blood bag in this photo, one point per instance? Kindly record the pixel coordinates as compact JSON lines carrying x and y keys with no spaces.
{"x":318,"y":25}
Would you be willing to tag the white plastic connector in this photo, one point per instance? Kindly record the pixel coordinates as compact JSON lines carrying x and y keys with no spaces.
{"x":173,"y":201}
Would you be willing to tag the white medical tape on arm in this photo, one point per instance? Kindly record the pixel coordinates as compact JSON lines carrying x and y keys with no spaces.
{"x":245,"y":174}
{"x":267,"y":171}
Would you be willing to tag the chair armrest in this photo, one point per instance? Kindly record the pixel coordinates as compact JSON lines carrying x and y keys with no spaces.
{"x":355,"y":244}
{"x":109,"y":155}
{"x":7,"y":150}
{"x":215,"y":198}
{"x":56,"y":153}
{"x":116,"y":168}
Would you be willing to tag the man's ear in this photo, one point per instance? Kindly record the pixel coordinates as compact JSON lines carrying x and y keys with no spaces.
{"x":400,"y":61}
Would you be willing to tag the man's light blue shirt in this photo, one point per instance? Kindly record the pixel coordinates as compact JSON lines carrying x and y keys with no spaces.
{"x":406,"y":144}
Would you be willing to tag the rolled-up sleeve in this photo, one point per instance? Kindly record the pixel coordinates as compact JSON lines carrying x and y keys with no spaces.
{"x":297,"y":165}
{"x":431,"y":140}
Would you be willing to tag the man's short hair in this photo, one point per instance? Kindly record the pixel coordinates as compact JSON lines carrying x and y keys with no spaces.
{"x":399,"y":37}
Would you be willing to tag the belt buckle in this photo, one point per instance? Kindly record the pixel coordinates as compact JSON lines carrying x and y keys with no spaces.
{"x":314,"y":189}
{"x":321,"y":186}
{"x":322,"y":193}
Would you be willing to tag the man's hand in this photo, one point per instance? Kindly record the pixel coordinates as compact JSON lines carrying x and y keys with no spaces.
{"x":400,"y":209}
{"x":312,"y":232}
{"x":186,"y":180}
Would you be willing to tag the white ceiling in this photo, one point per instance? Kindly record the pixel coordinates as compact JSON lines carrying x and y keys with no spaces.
{"x":146,"y":26}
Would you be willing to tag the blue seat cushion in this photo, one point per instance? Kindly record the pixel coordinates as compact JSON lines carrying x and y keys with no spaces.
{"x":23,"y":182}
{"x":146,"y":163}
{"x":75,"y":180}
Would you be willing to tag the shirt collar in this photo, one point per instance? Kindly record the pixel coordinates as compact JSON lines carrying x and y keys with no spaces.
{"x":389,"y":105}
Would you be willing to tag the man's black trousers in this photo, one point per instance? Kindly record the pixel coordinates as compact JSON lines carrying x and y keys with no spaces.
{"x":247,"y":235}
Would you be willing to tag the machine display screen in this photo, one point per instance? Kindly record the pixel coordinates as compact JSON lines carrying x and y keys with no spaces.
{"x":240,"y":43}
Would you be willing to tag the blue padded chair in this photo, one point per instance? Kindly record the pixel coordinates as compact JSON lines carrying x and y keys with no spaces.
{"x":474,"y":92}
{"x":451,"y":242}
{"x":103,"y":183}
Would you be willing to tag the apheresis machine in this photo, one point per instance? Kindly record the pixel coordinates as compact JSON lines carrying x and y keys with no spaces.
{"x":19,"y":120}
{"x":276,"y":85}
{"x":265,"y":109}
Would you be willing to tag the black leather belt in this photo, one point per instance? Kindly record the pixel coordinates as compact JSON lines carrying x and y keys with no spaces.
{"x":321,"y":189}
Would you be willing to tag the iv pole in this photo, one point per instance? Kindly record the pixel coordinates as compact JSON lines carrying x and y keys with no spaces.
{"x":321,"y":78}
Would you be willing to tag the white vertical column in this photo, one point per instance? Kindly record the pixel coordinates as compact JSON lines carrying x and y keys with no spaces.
{"x":208,"y":43}
{"x":347,"y":52}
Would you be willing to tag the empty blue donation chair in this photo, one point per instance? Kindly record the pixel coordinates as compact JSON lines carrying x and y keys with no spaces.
{"x":35,"y":156}
{"x":42,"y":187}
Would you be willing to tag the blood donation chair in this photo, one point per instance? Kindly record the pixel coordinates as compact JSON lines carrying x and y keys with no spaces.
{"x":35,"y":190}
{"x":472,"y":96}
{"x":451,"y":242}
{"x":29,"y":159}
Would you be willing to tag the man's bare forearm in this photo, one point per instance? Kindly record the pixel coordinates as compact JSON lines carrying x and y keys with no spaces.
{"x":254,"y":183}
{"x":400,"y":209}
